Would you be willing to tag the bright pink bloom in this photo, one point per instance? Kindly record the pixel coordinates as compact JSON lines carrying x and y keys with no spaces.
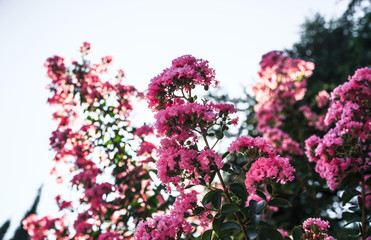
{"x":185,"y":73}
{"x":315,"y":229}
{"x":273,"y":168}
{"x":345,"y":147}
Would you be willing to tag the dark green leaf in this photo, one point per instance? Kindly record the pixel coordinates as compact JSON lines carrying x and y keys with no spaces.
{"x":260,"y":206}
{"x":253,"y":215}
{"x":270,"y":233}
{"x":296,"y":233}
{"x":219,"y":134}
{"x":217,"y":199}
{"x":207,"y":198}
{"x":199,"y":210}
{"x":261,"y":194}
{"x":229,"y":209}
{"x":212,"y":176}
{"x":207,"y":235}
{"x":269,"y":189}
{"x":237,"y":169}
{"x":217,"y":223}
{"x":279,"y":202}
{"x":351,"y":217}
{"x":239,"y":190}
{"x":252,"y":232}
{"x":225,"y":167}
{"x":225,"y":154}
{"x":227,"y":226}
{"x":245,"y":211}
{"x":349,"y":194}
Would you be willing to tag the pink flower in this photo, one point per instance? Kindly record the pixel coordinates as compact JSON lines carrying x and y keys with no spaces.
{"x":339,"y":151}
{"x":143,"y":130}
{"x":322,"y":98}
{"x":315,"y":229}
{"x":274,"y":168}
{"x":185,"y":73}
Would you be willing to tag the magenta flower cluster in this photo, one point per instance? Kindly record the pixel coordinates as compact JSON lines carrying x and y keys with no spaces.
{"x":315,"y":228}
{"x":281,"y":83}
{"x":267,"y":164}
{"x":346,"y":147}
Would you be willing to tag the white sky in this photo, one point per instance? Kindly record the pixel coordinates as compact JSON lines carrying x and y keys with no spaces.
{"x":143,"y":37}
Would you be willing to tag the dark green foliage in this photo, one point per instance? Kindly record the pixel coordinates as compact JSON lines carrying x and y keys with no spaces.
{"x":20,"y":233}
{"x":4,"y":229}
{"x":337,"y":48}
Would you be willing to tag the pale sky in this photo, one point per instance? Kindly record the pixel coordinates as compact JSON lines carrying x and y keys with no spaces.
{"x":143,"y":36}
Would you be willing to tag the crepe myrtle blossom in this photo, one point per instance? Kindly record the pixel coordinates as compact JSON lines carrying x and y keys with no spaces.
{"x":144,"y":131}
{"x":180,"y":121}
{"x":345,"y":147}
{"x":282,"y":82}
{"x":322,"y":98}
{"x":169,"y":225}
{"x":184,"y":74}
{"x":177,"y":163}
{"x":266,"y":163}
{"x":315,"y":228}
{"x":89,"y":110}
{"x":281,"y":79}
{"x":40,"y":228}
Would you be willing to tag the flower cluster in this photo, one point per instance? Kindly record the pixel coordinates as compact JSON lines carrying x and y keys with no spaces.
{"x":346,"y":147}
{"x":184,"y":74}
{"x":179,"y":119}
{"x":315,"y":228}
{"x":171,"y":225}
{"x":281,"y":83}
{"x":266,"y":164}
{"x":40,"y":228}
{"x":177,"y":163}
{"x":93,"y":137}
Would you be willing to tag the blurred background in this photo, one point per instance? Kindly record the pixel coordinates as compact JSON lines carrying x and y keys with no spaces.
{"x":144,"y":36}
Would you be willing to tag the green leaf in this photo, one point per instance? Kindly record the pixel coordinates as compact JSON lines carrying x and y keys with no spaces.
{"x":217,"y":223}
{"x":279,"y":202}
{"x":229,"y":209}
{"x":207,"y":198}
{"x":228,"y":226}
{"x":212,"y":176}
{"x":199,"y":210}
{"x":207,"y":235}
{"x":351,"y":217}
{"x":270,"y":233}
{"x":245,"y":211}
{"x":253,"y":215}
{"x":349,"y":194}
{"x":225,"y":155}
{"x":217,"y":199}
{"x":237,"y":169}
{"x":296,"y":233}
{"x":260,"y":206}
{"x":219,"y":134}
{"x":239,"y":190}
{"x":252,"y":232}
{"x":261,"y":194}
{"x":269,"y":189}
{"x":315,"y":229}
